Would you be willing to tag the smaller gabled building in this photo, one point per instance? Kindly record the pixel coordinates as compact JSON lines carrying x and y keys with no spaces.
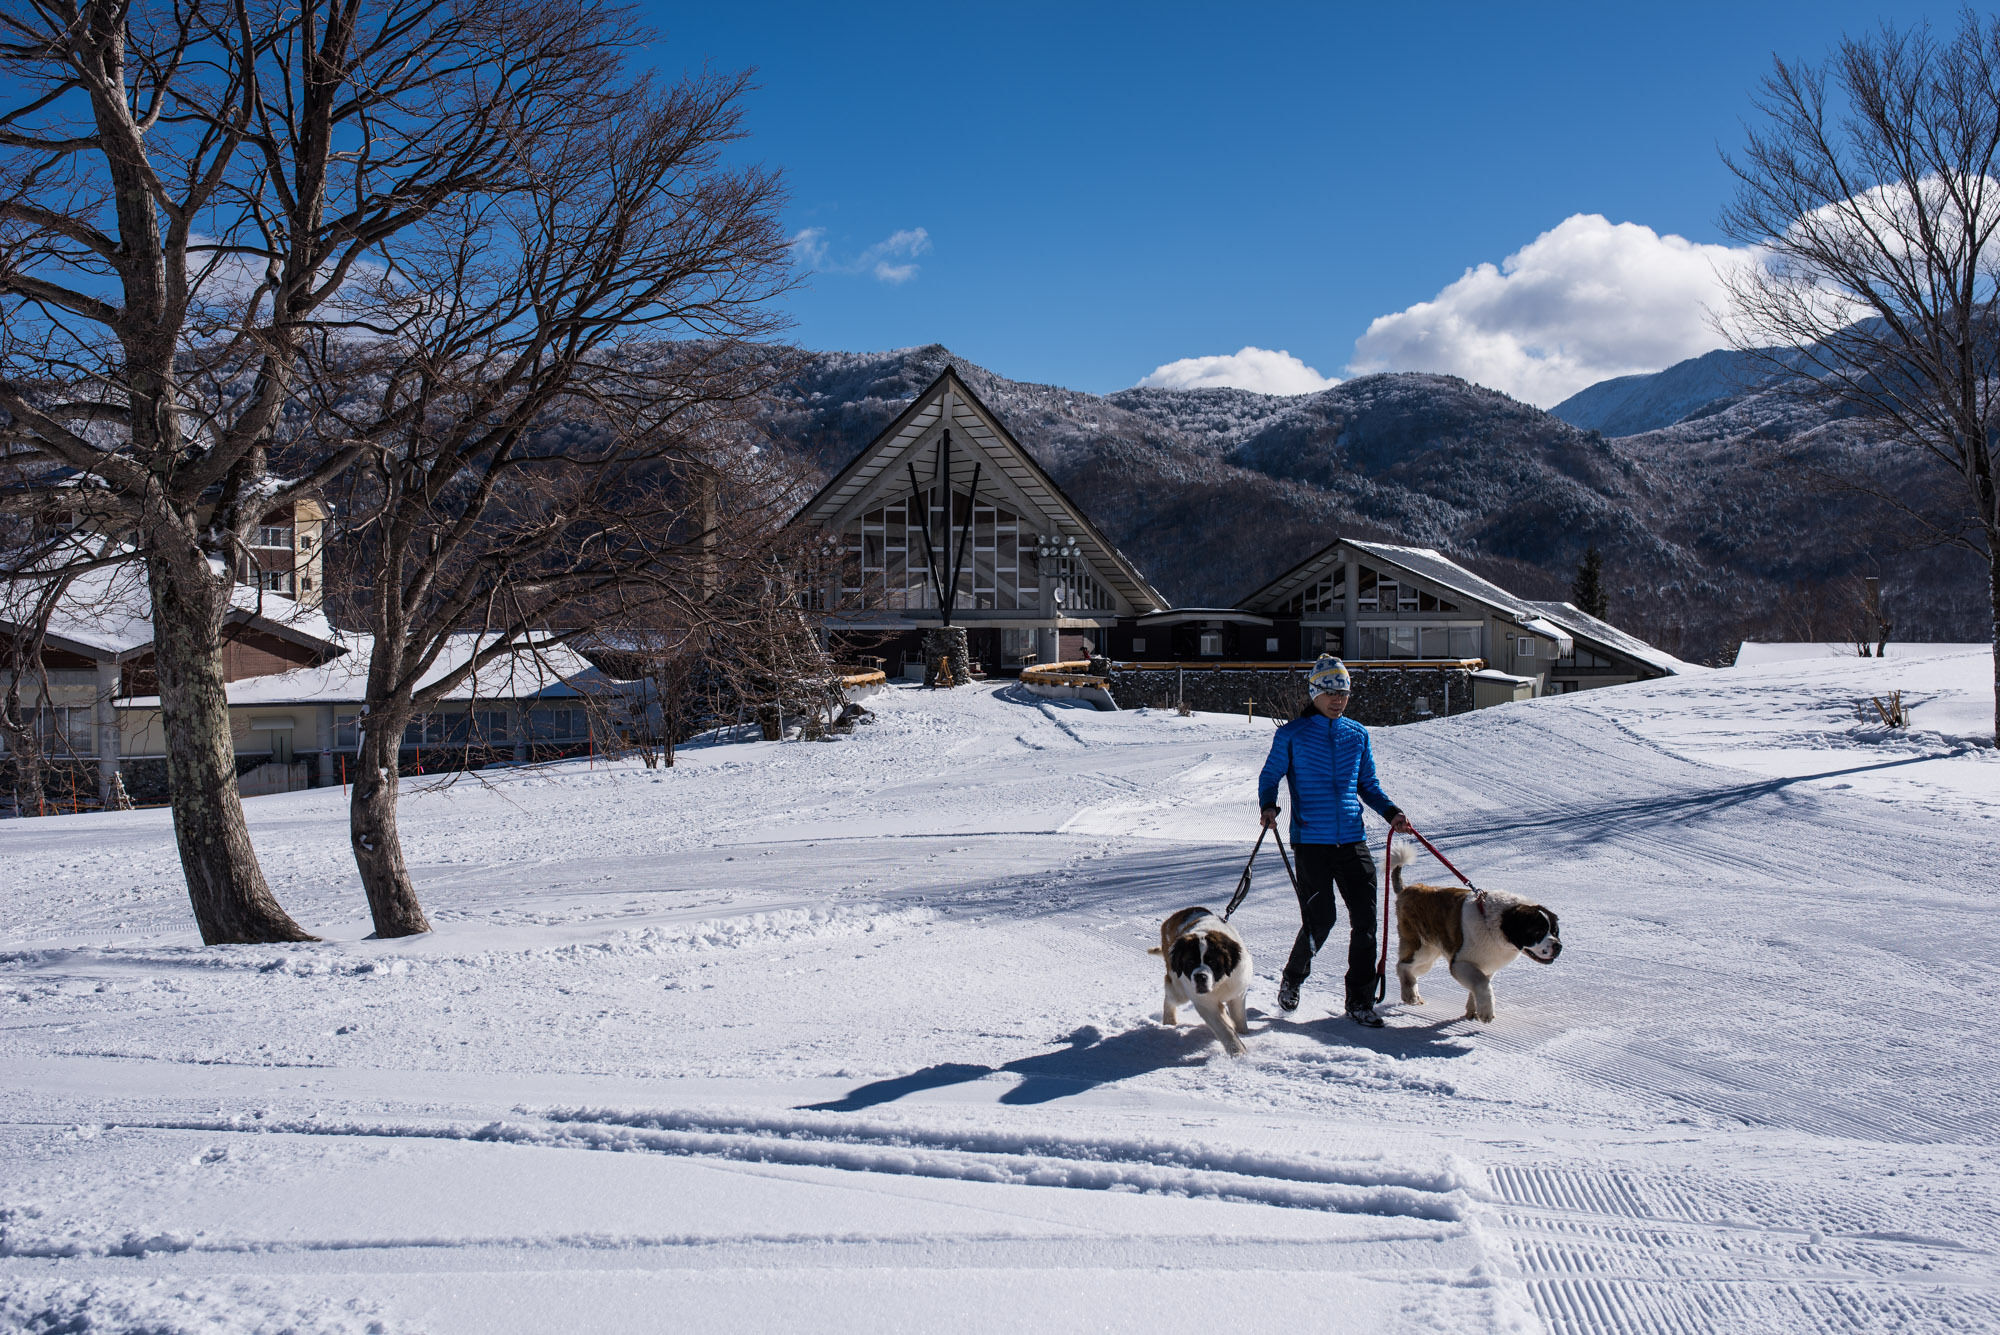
{"x":1374,"y":601}
{"x":1383,"y":607}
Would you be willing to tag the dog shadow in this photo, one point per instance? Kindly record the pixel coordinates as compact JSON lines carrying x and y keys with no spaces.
{"x":1433,"y":1037}
{"x":1086,"y":1061}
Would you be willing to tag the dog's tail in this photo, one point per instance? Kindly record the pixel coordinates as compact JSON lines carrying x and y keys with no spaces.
{"x":1154,"y":950}
{"x":1400,"y":858}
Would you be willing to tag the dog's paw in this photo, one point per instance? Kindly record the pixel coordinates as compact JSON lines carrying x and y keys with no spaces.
{"x":1413,"y":998}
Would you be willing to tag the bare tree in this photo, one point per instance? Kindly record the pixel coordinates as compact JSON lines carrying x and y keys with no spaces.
{"x":534,"y":443}
{"x":28,"y":721}
{"x":187,"y":189}
{"x":1869,"y":182}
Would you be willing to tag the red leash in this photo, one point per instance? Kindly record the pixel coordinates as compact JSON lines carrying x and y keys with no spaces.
{"x":1388,"y":873}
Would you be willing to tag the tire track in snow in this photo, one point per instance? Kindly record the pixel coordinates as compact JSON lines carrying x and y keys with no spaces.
{"x":807,"y":1140}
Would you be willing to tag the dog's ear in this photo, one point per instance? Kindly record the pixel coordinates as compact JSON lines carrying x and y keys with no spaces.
{"x":1223,"y":955}
{"x":1186,"y":957}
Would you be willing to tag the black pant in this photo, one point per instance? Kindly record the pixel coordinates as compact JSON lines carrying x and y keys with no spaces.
{"x":1352,"y":868}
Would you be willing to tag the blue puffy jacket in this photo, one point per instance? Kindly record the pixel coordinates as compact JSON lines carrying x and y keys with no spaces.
{"x":1330,"y":764}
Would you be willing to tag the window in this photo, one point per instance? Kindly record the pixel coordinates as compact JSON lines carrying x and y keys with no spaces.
{"x":1328,"y":595}
{"x":1524,"y":648}
{"x":61,"y":732}
{"x":1465,"y":642}
{"x":1138,"y":644}
{"x":274,"y":535}
{"x":886,"y":560}
{"x":275,"y":581}
{"x":1271,"y":644}
{"x":558,"y":723}
{"x":346,"y":735}
{"x":1583,"y":658}
{"x":1211,"y":644}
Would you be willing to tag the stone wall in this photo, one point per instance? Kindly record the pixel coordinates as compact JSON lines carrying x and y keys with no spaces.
{"x":1383,"y":696}
{"x":947,"y":657}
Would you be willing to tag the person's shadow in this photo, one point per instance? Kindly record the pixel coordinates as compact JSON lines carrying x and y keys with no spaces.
{"x":1086,"y":1060}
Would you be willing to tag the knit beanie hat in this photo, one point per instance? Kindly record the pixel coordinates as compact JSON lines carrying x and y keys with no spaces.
{"x":1329,"y":674}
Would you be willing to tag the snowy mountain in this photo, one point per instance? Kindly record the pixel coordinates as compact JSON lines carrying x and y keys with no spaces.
{"x":1214,"y":491}
{"x":1628,"y":404}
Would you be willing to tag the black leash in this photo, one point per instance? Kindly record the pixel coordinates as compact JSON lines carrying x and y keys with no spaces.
{"x":1243,"y":882}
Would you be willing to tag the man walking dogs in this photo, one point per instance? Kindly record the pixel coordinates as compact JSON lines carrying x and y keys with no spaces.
{"x":1330,"y":765}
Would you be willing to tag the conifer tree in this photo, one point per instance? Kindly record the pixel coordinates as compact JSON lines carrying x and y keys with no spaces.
{"x":1587,"y":589}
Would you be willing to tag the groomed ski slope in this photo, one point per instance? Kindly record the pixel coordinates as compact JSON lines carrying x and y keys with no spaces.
{"x":862,"y":1036}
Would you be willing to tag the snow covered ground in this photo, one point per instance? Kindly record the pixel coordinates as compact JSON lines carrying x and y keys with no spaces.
{"x":862,"y":1036}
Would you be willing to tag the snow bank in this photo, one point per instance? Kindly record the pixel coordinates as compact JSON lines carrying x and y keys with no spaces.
{"x":102,"y":1306}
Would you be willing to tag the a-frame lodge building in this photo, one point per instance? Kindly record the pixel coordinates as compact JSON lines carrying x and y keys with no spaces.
{"x":1034,"y":579}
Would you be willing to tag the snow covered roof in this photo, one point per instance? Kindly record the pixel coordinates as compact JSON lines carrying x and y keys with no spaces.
{"x":553,"y":672}
{"x":1426,"y":564}
{"x":108,"y":613}
{"x":1435,"y":566}
{"x":1592,"y":629}
{"x":1207,"y":614}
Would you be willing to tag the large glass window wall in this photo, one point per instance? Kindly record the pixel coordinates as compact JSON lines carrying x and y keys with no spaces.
{"x":886,"y":559}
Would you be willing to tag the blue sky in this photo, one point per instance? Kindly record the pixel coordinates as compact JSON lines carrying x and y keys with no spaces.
{"x":1079,"y":194}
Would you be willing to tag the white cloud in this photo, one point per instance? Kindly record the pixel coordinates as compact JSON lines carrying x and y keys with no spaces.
{"x":890,"y":260}
{"x":1257,"y":369}
{"x":1585,"y":301}
{"x":809,"y":248}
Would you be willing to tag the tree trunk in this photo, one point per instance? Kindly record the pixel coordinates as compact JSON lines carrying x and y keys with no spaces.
{"x":1993,"y":585}
{"x":27,"y":766}
{"x":371,"y":824}
{"x":232,"y":902}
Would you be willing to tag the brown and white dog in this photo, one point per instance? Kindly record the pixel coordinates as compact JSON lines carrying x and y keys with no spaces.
{"x":1478,"y":933}
{"x":1208,"y":968}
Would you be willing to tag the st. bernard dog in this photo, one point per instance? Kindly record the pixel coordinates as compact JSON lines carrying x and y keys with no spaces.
{"x":1479,"y":934}
{"x":1208,"y":967}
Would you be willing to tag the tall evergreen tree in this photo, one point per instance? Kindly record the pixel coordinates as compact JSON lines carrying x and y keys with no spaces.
{"x":1587,"y":589}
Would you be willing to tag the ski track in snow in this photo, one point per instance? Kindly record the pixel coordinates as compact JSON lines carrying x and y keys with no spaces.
{"x":862,"y":1034}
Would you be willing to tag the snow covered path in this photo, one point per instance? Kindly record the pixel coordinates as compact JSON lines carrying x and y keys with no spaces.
{"x":862,"y":1035}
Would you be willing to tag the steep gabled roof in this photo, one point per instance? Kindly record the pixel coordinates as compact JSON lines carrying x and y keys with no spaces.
{"x":1426,"y":564}
{"x":948,"y":402}
{"x":1430,"y":564}
{"x":1592,"y":630}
